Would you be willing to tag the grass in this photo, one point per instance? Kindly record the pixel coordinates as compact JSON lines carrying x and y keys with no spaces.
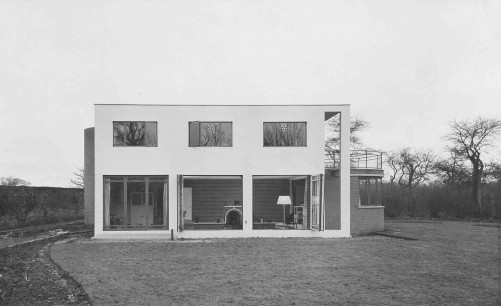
{"x":450,"y":263}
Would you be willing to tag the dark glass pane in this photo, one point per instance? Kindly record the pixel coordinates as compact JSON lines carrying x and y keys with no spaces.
{"x":364,"y":194}
{"x":284,"y":134}
{"x":116,"y":205}
{"x":372,"y":192}
{"x":378,"y":197}
{"x":194,"y":134}
{"x":157,"y":178}
{"x":150,"y":138}
{"x":215,"y":134}
{"x":226,"y":131}
{"x":134,"y":133}
{"x":119,"y":133}
{"x":139,"y":213}
{"x":156,"y":198}
{"x":140,"y":178}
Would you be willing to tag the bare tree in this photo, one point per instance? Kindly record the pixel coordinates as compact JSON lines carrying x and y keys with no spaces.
{"x":471,"y":138}
{"x":13,"y":181}
{"x":453,"y":170}
{"x":411,"y":168}
{"x":78,"y":178}
{"x":491,"y":173}
{"x":396,"y":165}
{"x":333,"y":140}
{"x":129,"y":133}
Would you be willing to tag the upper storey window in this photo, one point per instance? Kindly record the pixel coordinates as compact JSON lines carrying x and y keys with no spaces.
{"x":284,"y":134}
{"x":210,"y":134}
{"x":134,"y":133}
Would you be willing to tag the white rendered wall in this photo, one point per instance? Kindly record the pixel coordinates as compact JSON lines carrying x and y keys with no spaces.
{"x":247,"y":156}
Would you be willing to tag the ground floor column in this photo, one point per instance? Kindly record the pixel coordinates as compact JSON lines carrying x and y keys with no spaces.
{"x":173,"y":202}
{"x":344,"y":175}
{"x":247,"y":202}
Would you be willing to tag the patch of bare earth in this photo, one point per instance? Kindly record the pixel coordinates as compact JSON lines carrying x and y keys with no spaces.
{"x":28,"y":276}
{"x":450,"y":263}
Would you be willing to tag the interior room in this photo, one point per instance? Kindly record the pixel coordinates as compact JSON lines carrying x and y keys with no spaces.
{"x":212,"y":203}
{"x":135,"y":202}
{"x":280,"y":202}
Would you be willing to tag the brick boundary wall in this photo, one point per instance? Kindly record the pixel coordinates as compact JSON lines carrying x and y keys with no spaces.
{"x":24,"y":204}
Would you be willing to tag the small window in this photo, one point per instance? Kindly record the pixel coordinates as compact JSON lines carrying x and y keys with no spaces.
{"x":134,"y":133}
{"x":370,"y":191}
{"x":284,"y":134}
{"x":210,"y":134}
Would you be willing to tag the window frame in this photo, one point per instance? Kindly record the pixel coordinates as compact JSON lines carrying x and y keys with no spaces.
{"x":132,"y":146}
{"x":200,"y":134}
{"x":378,"y":181}
{"x":146,"y":201}
{"x":288,"y":122}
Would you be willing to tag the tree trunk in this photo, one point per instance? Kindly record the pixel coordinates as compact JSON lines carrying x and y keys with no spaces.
{"x":476,"y":188}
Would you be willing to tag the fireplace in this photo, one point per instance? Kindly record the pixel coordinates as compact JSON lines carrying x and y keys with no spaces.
{"x":233,"y":218}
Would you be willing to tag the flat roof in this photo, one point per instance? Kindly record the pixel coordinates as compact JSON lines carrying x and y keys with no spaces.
{"x":150,"y":104}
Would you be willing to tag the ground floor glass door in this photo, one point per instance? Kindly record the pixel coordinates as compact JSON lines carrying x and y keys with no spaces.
{"x":316,"y":202}
{"x":135,"y":202}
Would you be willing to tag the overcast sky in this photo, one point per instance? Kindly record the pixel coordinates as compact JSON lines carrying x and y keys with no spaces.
{"x":406,"y":67}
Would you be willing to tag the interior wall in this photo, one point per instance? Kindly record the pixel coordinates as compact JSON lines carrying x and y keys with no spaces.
{"x":265,"y":194}
{"x":209,"y":196}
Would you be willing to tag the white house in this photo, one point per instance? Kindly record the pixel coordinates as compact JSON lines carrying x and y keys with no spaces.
{"x":225,"y":171}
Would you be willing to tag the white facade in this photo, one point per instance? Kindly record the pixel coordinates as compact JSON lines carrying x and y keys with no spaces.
{"x":247,"y":157}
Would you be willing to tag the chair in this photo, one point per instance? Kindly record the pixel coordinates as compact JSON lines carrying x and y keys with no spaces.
{"x":289,"y":221}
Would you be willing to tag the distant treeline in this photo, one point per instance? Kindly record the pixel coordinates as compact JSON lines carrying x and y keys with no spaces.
{"x":463,"y":181}
{"x":442,"y":201}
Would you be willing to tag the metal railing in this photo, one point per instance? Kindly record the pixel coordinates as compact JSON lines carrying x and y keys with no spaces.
{"x":359,"y":159}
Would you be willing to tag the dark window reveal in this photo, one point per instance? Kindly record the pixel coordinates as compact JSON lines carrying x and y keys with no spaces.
{"x":284,"y":134}
{"x":134,"y":133}
{"x":210,"y":134}
{"x":370,"y":191}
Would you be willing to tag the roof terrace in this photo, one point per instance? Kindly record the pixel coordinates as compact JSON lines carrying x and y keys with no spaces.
{"x":359,"y":159}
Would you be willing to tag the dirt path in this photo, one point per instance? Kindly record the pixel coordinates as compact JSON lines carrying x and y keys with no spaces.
{"x":28,"y":276}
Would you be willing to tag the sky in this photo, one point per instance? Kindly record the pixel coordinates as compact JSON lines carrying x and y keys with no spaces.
{"x":408,"y":67}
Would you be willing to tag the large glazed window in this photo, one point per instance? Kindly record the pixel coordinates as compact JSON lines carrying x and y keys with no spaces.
{"x":210,"y":134}
{"x":134,"y":133}
{"x":135,"y":202}
{"x":284,"y":134}
{"x":370,"y":191}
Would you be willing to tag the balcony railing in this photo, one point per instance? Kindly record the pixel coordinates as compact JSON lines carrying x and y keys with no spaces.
{"x":359,"y":159}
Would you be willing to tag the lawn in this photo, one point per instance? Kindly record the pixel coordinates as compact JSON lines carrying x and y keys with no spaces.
{"x":450,"y":263}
